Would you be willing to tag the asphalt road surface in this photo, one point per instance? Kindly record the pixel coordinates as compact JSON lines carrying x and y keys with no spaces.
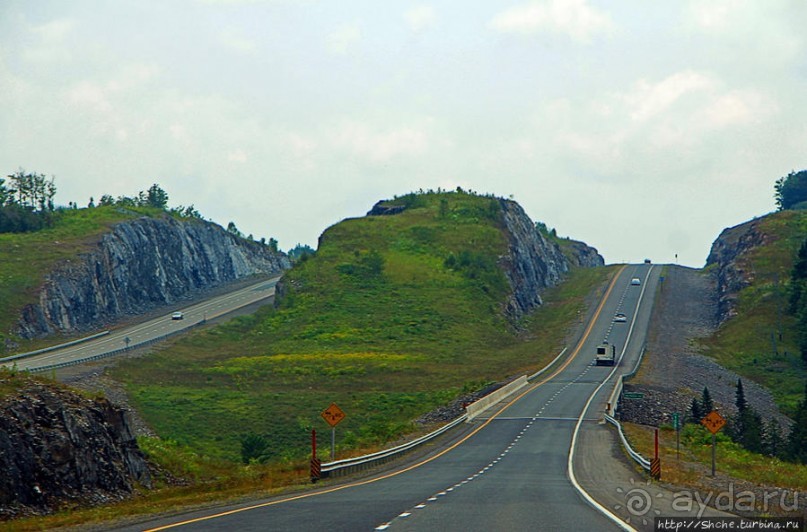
{"x":135,"y":335}
{"x":511,"y":472}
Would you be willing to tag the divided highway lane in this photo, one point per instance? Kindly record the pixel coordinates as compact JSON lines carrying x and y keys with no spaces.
{"x":155,"y":328}
{"x":510,"y":473}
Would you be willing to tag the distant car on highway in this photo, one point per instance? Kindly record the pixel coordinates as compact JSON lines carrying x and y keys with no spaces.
{"x":620,"y":317}
{"x":635,"y":281}
{"x":647,"y":261}
{"x":177,"y":316}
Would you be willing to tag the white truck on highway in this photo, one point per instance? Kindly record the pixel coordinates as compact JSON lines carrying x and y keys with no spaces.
{"x":606,"y":354}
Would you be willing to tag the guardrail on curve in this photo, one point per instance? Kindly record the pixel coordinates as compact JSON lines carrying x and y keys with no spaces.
{"x":613,"y":403}
{"x":349,"y":465}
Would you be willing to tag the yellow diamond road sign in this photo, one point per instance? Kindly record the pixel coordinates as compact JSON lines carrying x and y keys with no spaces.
{"x":713,"y":421}
{"x":333,"y":415}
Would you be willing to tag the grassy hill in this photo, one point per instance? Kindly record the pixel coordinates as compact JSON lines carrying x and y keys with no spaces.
{"x":393,"y":316}
{"x":760,"y":341}
{"x":25,"y":258}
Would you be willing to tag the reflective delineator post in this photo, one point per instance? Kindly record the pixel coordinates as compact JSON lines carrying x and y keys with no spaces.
{"x":316,"y":464}
{"x":655,"y":464}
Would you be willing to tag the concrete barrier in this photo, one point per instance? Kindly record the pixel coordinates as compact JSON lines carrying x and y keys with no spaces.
{"x":477,"y":407}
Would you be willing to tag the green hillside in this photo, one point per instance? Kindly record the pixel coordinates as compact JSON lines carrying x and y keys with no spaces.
{"x":761,"y":342}
{"x":25,"y":258}
{"x":393,"y":316}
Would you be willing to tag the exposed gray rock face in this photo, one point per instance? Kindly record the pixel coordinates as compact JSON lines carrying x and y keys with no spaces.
{"x":732,"y":271}
{"x":381,"y":208}
{"x":583,"y":255}
{"x":534,"y":263}
{"x":57,"y":446}
{"x":141,"y":265}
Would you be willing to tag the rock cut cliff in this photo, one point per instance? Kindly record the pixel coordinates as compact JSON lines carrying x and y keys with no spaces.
{"x":57,"y":446}
{"x":141,"y":265}
{"x":532,"y":264}
{"x":729,"y":257}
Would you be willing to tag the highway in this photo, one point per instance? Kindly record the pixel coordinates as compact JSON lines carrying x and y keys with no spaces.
{"x":151,"y":330}
{"x":512,"y":471}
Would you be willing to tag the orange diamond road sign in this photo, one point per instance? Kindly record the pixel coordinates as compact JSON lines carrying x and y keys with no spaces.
{"x":333,"y":415}
{"x":713,"y":421}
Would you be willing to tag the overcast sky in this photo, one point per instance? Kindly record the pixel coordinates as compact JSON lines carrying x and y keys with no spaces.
{"x":642,"y":128}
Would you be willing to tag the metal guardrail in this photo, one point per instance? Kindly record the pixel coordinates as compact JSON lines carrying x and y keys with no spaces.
{"x":641,"y":460}
{"x":613,"y":403}
{"x":350,"y":465}
{"x":114,"y":352}
{"x":53,"y":347}
{"x":101,"y":355}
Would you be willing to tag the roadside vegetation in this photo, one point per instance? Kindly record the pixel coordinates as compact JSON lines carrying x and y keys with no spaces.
{"x":36,"y":235}
{"x":765,"y":341}
{"x":393,"y":317}
{"x":691,"y":467}
{"x":762,"y":341}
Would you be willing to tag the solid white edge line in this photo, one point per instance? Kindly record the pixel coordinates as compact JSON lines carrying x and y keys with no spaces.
{"x":570,"y":462}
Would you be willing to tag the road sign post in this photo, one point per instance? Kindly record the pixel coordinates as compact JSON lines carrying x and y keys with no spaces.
{"x":677,"y":427}
{"x":333,"y":415}
{"x":714,"y":422}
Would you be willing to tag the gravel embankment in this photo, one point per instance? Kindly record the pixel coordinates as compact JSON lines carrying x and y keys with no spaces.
{"x":673,"y":372}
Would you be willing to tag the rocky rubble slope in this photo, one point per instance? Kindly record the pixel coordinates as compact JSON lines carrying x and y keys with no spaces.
{"x":58,"y":447}
{"x":141,"y":265}
{"x":673,"y":371}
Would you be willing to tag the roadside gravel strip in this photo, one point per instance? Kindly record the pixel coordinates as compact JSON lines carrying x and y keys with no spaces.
{"x":602,"y":468}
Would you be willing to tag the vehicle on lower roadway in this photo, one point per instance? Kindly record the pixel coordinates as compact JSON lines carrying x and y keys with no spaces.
{"x":606,"y":354}
{"x":177,"y":316}
{"x":635,"y":281}
{"x":619,"y":317}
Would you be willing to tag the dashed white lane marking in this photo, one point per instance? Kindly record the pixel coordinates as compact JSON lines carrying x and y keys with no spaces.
{"x":501,"y":456}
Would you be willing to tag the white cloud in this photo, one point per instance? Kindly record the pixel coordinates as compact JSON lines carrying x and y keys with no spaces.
{"x":235,"y":40}
{"x":646,"y":99}
{"x":574,"y":18}
{"x":237,"y":156}
{"x":89,"y":95}
{"x":739,"y":107}
{"x":300,"y":145}
{"x":344,"y":38}
{"x":50,"y":46}
{"x":420,"y":18}
{"x":377,"y":146}
{"x":54,"y":31}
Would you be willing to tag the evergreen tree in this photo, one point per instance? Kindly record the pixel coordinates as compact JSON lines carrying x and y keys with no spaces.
{"x":155,"y":197}
{"x":752,"y":431}
{"x":696,"y":411}
{"x":797,"y":441}
{"x":798,"y":297}
{"x":707,"y":405}
{"x":791,"y":190}
{"x":740,"y":401}
{"x":772,"y":441}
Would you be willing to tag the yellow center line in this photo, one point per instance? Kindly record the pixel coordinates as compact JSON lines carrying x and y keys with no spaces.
{"x":427,"y":460}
